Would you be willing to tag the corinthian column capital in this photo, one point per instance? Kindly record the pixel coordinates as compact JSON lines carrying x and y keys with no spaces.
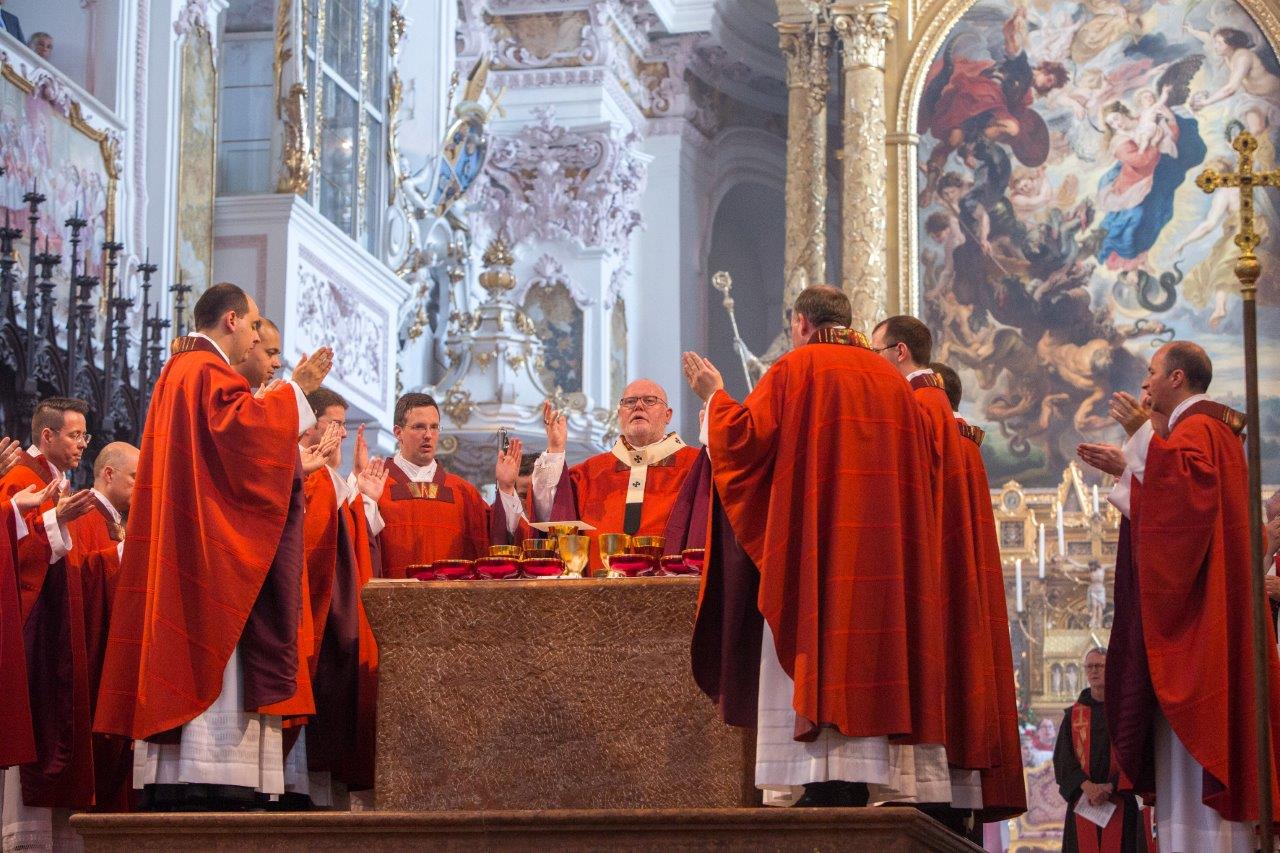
{"x":863,"y":33}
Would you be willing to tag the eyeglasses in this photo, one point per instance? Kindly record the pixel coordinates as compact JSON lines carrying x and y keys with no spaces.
{"x":80,"y":437}
{"x":882,"y":349}
{"x":648,"y":400}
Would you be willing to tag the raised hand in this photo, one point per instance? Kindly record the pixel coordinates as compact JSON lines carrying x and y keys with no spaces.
{"x":34,"y":497}
{"x":557,"y":428}
{"x":1128,"y":412}
{"x":373,"y":479}
{"x":72,"y":506}
{"x":508,"y":467}
{"x":315,"y":456}
{"x":702,"y":376}
{"x":10,"y":453}
{"x":360,"y":459}
{"x":312,"y":369}
{"x":1106,"y":458}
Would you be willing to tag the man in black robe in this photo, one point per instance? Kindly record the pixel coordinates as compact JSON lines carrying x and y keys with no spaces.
{"x":1084,"y":771}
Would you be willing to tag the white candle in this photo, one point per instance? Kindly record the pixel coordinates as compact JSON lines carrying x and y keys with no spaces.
{"x":1062,"y":535}
{"x":1017,"y":583}
{"x":1042,"y":550}
{"x":1096,"y":505}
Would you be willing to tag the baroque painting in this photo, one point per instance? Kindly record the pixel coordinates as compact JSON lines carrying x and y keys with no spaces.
{"x":41,"y":147}
{"x":558,"y":322}
{"x":1062,"y":236}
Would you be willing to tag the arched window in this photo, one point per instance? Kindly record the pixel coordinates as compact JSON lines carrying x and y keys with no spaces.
{"x":345,"y":45}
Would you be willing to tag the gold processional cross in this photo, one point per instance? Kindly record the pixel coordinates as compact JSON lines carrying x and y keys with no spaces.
{"x":1247,"y":271}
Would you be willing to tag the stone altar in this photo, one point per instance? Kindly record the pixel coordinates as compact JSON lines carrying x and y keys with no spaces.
{"x":547,"y":694}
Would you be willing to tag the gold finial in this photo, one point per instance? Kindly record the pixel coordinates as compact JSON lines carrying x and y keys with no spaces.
{"x":497,"y":262}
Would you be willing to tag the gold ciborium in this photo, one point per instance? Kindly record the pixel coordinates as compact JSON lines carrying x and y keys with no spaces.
{"x":610,"y":544}
{"x":539,"y":548}
{"x":515,"y":552}
{"x":574,"y":550}
{"x":650,"y":545}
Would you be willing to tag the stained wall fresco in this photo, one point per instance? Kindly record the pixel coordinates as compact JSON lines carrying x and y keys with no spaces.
{"x":1062,"y":237}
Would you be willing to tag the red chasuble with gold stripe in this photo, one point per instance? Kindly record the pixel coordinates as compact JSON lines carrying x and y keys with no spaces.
{"x":1190,"y":522}
{"x":430,"y":521}
{"x":599,"y":489}
{"x":1004,"y":790}
{"x":972,"y":729}
{"x":211,"y":507}
{"x":823,"y":472}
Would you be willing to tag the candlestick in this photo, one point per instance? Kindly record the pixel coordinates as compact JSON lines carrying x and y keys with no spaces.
{"x":1042,"y":550}
{"x":1097,"y":506}
{"x":1017,"y":583}
{"x":1062,"y":534}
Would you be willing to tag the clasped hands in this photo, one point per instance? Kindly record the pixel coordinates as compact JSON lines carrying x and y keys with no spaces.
{"x":1096,"y":793}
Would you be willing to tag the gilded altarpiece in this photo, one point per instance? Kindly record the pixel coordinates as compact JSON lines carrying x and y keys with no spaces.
{"x":197,"y":159}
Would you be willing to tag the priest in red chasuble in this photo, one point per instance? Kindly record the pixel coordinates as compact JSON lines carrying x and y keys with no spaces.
{"x":629,"y":489}
{"x":1004,"y":789}
{"x":97,"y":542}
{"x":1179,"y":691}
{"x":424,"y":512}
{"x":202,"y":653}
{"x":38,"y":796}
{"x":825,"y":528}
{"x":337,"y":744}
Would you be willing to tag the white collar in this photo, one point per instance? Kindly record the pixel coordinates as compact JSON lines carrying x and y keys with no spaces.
{"x":1183,"y":406}
{"x":215,"y":345}
{"x":924,"y":371}
{"x":416,"y":473}
{"x":102,"y":499}
{"x":34,"y":452}
{"x":957,"y":416}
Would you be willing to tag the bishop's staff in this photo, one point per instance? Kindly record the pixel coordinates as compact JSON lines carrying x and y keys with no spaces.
{"x":1247,"y":271}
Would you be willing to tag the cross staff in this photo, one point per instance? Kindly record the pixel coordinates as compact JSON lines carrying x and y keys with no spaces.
{"x":1247,"y":271}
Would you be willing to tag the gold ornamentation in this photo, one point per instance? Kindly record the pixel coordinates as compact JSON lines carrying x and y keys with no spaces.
{"x":484,"y":359}
{"x":497,"y":276}
{"x":458,"y":404}
{"x":1245,"y":179}
{"x":297,"y":157}
{"x":515,"y":362}
{"x":863,"y":36}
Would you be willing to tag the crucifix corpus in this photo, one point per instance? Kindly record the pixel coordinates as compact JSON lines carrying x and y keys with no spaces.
{"x":1247,"y":271}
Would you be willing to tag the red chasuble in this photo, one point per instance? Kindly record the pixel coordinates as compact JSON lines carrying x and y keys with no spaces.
{"x":972,"y":729}
{"x":430,"y":521}
{"x":1004,"y":790}
{"x":52,"y":599}
{"x":17,"y":744}
{"x":1190,"y":521}
{"x":95,"y":539}
{"x":320,"y":544}
{"x":357,"y":769}
{"x":823,"y":473}
{"x":597,"y":493}
{"x":211,"y":508}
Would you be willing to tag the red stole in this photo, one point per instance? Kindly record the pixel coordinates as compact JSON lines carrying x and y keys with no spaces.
{"x":823,"y":473}
{"x":1190,"y":522}
{"x":215,"y":496}
{"x":430,"y":521}
{"x":1088,"y":838}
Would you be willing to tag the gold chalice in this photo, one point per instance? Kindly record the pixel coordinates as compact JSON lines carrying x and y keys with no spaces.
{"x":610,"y":544}
{"x":574,"y":550}
{"x":651,"y":545}
{"x":558,"y":530}
{"x":515,"y":552}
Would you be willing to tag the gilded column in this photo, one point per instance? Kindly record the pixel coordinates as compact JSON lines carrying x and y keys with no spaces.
{"x":806,"y":48}
{"x":863,"y":33}
{"x":296,"y":160}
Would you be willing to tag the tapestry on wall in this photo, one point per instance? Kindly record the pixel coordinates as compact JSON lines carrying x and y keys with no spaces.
{"x":1062,"y":237}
